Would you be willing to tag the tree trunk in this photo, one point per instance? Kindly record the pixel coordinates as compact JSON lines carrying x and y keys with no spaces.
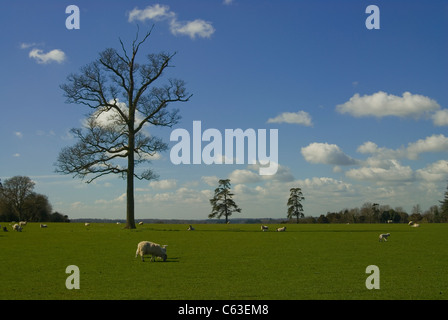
{"x":130,"y":221}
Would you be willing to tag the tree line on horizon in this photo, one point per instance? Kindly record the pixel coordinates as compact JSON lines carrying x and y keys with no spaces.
{"x":223,"y":205}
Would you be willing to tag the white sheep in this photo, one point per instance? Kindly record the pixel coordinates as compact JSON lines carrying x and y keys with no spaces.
{"x":87,"y":224}
{"x":410,"y":223}
{"x":153,"y":249}
{"x":383,"y":236}
{"x":140,"y":223}
{"x":190,"y":228}
{"x":415,"y":225}
{"x":281,"y":229}
{"x":22,"y":223}
{"x":17,"y":227}
{"x":264,"y":228}
{"x":43,"y":225}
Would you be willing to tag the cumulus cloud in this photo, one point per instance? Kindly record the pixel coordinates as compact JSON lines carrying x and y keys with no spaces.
{"x":394,"y":172}
{"x":381,"y":104}
{"x":300,"y":117}
{"x":434,"y":172}
{"x":198,"y":27}
{"x":163,"y":184}
{"x":157,"y":12}
{"x":325,"y":153}
{"x":210,"y":180}
{"x":55,"y":55}
{"x":244,"y":176}
{"x":434,"y":143}
{"x":440,"y":118}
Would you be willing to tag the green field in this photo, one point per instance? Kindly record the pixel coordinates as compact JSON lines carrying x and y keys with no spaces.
{"x":225,"y":262}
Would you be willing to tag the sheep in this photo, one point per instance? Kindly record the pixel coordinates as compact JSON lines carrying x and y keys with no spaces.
{"x":87,"y":224}
{"x":383,"y":236}
{"x":17,"y":228}
{"x":264,"y":228}
{"x":140,"y":223}
{"x":153,"y":249}
{"x":410,"y":223}
{"x":190,"y":228}
{"x":5,"y":229}
{"x":415,"y":225}
{"x":390,"y":221}
{"x":43,"y":225}
{"x":22,"y":223}
{"x":281,"y":229}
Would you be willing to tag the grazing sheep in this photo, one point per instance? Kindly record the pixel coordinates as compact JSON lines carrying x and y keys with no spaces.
{"x":390,"y":221}
{"x":411,"y":223}
{"x":87,"y":224}
{"x":22,"y":223}
{"x":415,"y":225}
{"x":264,"y":228}
{"x":281,"y":229}
{"x":190,"y":228}
{"x":17,"y":228}
{"x":43,"y":225}
{"x":140,"y":223}
{"x":384,"y":236}
{"x":150,"y":248}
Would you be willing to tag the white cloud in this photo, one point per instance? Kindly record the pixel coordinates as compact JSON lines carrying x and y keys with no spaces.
{"x":300,"y":117}
{"x":210,"y":180}
{"x":163,"y":184}
{"x":27,"y":45}
{"x":18,"y":134}
{"x":16,"y":155}
{"x":437,"y":171}
{"x":434,"y":143}
{"x":157,"y":12}
{"x":381,"y":104}
{"x":227,"y":2}
{"x":394,"y":172}
{"x":327,"y":154}
{"x":244,"y":176}
{"x":198,"y":27}
{"x":55,"y":55}
{"x":111,"y":118}
{"x":440,"y":118}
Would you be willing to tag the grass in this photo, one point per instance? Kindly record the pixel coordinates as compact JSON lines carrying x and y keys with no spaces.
{"x":225,"y":262}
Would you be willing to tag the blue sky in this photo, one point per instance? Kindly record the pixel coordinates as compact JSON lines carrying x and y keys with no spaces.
{"x":362,"y":115}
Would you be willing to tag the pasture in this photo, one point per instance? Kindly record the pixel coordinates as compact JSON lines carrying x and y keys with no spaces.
{"x":225,"y":262}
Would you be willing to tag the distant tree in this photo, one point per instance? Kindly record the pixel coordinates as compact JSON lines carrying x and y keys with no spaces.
{"x":322,"y":219}
{"x":123,"y":97}
{"x":222,"y":203}
{"x":37,"y":208}
{"x":443,"y":214}
{"x":14,"y":193}
{"x":294,"y":204}
{"x":58,"y":217}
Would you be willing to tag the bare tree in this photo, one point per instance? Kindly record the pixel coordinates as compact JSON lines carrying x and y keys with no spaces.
{"x":123,"y":97}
